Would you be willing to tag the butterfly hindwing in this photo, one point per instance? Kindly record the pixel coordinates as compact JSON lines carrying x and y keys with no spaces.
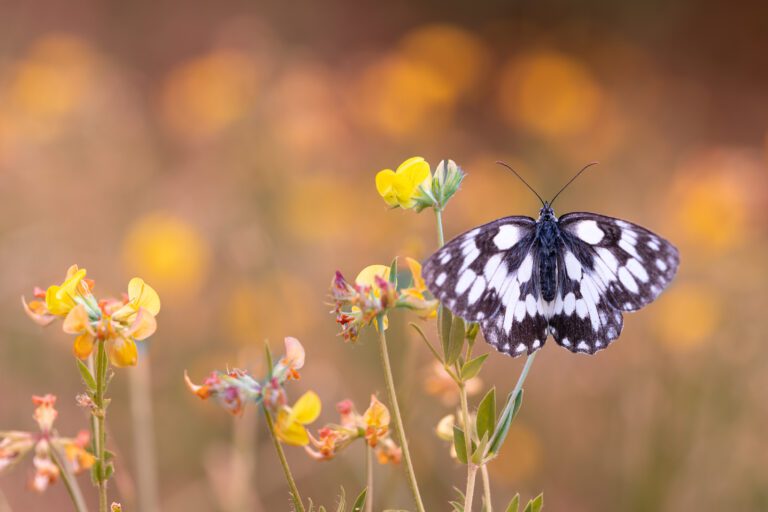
{"x":633,"y":264}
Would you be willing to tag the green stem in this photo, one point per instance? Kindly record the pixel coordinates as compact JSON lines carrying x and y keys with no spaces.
{"x":523,"y":376}
{"x":70,"y":482}
{"x":471,"y":467}
{"x":486,"y":488}
{"x":390,"y":384}
{"x":283,"y":461}
{"x":143,"y":435}
{"x":369,"y":479}
{"x":100,"y":433}
{"x":440,"y":236}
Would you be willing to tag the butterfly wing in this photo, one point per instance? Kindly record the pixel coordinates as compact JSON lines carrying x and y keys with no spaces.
{"x":487,"y":275}
{"x":606,"y":266}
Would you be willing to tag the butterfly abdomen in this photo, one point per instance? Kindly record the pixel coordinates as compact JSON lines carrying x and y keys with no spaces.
{"x":548,"y":241}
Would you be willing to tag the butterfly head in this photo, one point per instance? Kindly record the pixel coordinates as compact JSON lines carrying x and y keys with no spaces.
{"x":547,"y":213}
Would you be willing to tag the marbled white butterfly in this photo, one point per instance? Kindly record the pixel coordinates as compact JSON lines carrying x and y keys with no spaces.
{"x":572,"y":277}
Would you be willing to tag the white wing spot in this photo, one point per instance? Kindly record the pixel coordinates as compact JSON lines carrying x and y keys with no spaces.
{"x":569,"y":304}
{"x":530,"y":305}
{"x":653,"y":244}
{"x":519,"y":348}
{"x":661,"y":265}
{"x":566,"y":342}
{"x":638,"y":270}
{"x":628,"y":246}
{"x":627,"y":280}
{"x":525,"y":270}
{"x":466,"y":279}
{"x":536,"y":344}
{"x":441,"y":279}
{"x":499,"y":277}
{"x":519,"y":310}
{"x":572,"y":266}
{"x":589,"y":231}
{"x":477,"y":290}
{"x":611,"y":332}
{"x":581,"y":308}
{"x":583,"y":346}
{"x":598,"y":343}
{"x":492,"y":265}
{"x":445,"y":257}
{"x":507,"y":236}
{"x":471,"y":252}
{"x":608,"y":258}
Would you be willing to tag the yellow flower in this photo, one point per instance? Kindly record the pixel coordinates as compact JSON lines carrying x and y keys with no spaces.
{"x":140,"y":296}
{"x":413,"y":297}
{"x":367,"y":277}
{"x":61,"y":299}
{"x":78,"y":322}
{"x":290,"y":424}
{"x":376,"y":420}
{"x":407,"y":187}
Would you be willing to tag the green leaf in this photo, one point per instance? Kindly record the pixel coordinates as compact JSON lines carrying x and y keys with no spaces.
{"x":445,"y":328}
{"x":108,"y":455}
{"x":514,"y":505}
{"x":459,"y":444}
{"x":486,"y":414}
{"x":342,"y":500}
{"x":472,"y":368}
{"x":455,"y":341}
{"x":109,"y":471}
{"x":536,"y":504}
{"x":478,"y":451}
{"x":502,"y":426}
{"x":472,"y":329}
{"x":393,"y":272}
{"x":268,"y":355}
{"x":85,"y":373}
{"x":359,"y":503}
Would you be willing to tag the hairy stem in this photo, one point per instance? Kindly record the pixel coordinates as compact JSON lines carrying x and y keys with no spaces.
{"x":100,"y":433}
{"x":390,"y":384}
{"x":440,"y":236}
{"x":283,"y":461}
{"x":369,"y":479}
{"x":486,"y":488}
{"x":70,"y":482}
{"x":468,"y":433}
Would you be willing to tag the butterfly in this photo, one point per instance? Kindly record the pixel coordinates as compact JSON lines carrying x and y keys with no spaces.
{"x":523,"y":279}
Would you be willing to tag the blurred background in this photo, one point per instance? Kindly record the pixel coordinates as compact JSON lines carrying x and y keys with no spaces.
{"x":226,"y":152}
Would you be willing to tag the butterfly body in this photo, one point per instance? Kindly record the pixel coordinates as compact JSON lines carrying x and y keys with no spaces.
{"x":524,"y":279}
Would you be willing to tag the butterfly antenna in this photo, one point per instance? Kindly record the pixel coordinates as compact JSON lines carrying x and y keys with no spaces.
{"x":572,"y":179}
{"x":543,"y":203}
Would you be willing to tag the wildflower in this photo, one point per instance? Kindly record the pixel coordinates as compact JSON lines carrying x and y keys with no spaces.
{"x":373,"y":293}
{"x":235,"y":388}
{"x":407,"y":187}
{"x":45,"y":445}
{"x":412,"y":185}
{"x":117,"y":323}
{"x":372,"y":426}
{"x":290,"y":423}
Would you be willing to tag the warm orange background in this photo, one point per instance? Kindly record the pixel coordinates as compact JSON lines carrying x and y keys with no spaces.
{"x":226,"y":152}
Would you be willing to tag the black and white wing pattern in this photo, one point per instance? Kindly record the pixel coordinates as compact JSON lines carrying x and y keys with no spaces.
{"x":606,"y":266}
{"x":487,"y":275}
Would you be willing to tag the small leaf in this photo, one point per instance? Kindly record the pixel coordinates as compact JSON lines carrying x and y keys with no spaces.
{"x":445,"y":328}
{"x":342,"y":500}
{"x":268,"y":355}
{"x":455,"y":341}
{"x":472,"y":368}
{"x":472,"y":329}
{"x":486,"y":414}
{"x":478,"y":452}
{"x":359,"y":503}
{"x":424,"y":337}
{"x":108,"y":455}
{"x":514,"y":505}
{"x":85,"y":373}
{"x":502,"y":426}
{"x":109,"y":471}
{"x":459,"y":444}
{"x":393,"y":272}
{"x":536,"y":504}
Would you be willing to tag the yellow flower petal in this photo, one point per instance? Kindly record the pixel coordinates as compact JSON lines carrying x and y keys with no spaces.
{"x":56,"y":302}
{"x":123,"y":352}
{"x":144,"y":325}
{"x":294,"y":353}
{"x":77,"y":320}
{"x":368,"y":274}
{"x":290,"y":432}
{"x":377,"y":414}
{"x":415,"y":268}
{"x":144,"y":296}
{"x":385,"y":186}
{"x":306,"y":409}
{"x":83,"y":346}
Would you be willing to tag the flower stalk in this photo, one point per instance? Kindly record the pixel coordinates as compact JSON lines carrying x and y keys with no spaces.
{"x":100,"y":433}
{"x":69,"y":480}
{"x":298,"y":504}
{"x":390,"y":385}
{"x":369,"y":479}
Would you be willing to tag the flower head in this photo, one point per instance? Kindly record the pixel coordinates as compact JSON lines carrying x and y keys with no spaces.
{"x":45,"y":445}
{"x":376,"y":421}
{"x":290,"y":425}
{"x":407,"y":187}
{"x":117,"y":323}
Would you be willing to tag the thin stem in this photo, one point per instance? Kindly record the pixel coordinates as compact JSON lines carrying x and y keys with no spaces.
{"x":440,"y":236}
{"x":283,"y":461}
{"x":471,"y":467}
{"x":100,"y":434}
{"x":369,"y":479}
{"x":390,"y":384}
{"x":70,"y":482}
{"x":143,"y":436}
{"x":523,"y":376}
{"x":486,"y":488}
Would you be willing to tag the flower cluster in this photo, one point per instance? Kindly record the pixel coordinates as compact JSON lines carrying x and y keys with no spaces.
{"x":373,"y":293}
{"x":372,"y":426}
{"x":412,"y":185}
{"x":235,"y":388}
{"x":47,"y":446}
{"x":118,"y":323}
